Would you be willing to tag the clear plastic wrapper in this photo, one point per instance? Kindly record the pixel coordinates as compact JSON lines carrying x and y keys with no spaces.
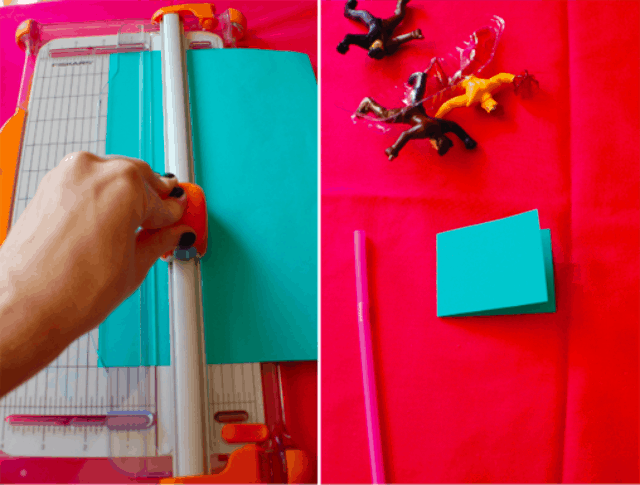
{"x":443,"y":74}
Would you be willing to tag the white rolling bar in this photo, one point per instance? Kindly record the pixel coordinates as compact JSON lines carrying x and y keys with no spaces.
{"x":191,"y":450}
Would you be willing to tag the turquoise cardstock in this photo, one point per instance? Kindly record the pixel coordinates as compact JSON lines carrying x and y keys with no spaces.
{"x":254,"y":126}
{"x":502,"y":267}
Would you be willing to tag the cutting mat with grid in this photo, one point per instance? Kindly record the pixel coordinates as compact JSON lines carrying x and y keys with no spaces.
{"x":68,"y":113}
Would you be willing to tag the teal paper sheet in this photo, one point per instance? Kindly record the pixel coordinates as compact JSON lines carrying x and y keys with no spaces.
{"x":254,"y":116}
{"x":255,"y":127}
{"x":502,"y":267}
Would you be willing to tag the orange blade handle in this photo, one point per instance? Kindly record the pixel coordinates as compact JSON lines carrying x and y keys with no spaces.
{"x":195,"y":215}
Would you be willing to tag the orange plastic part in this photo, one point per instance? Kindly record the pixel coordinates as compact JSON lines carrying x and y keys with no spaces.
{"x":10,"y":138}
{"x":205,"y":12}
{"x":298,"y":468}
{"x":245,"y":433}
{"x":243,"y":467}
{"x":195,"y":215}
{"x":238,"y":20}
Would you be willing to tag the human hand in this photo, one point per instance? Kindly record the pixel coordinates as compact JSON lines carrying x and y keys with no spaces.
{"x":74,"y":254}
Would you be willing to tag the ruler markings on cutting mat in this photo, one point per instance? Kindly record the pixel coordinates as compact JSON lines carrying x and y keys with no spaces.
{"x":62,"y":119}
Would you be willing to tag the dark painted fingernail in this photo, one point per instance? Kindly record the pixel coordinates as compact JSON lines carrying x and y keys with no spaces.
{"x":177,"y":192}
{"x":187,"y":240}
{"x":169,"y":175}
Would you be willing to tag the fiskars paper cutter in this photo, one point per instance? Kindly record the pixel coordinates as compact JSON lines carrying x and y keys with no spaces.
{"x":132,"y":420}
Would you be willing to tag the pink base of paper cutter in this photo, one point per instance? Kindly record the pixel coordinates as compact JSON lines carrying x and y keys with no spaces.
{"x":17,"y":469}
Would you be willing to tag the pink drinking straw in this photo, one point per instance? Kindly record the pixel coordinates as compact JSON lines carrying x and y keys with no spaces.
{"x":366,"y":356}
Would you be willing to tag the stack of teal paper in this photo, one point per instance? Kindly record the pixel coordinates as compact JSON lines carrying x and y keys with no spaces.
{"x":254,"y":125}
{"x":502,"y":267}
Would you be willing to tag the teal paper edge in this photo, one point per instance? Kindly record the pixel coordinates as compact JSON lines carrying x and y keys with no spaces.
{"x":453,"y":292}
{"x":548,"y":306}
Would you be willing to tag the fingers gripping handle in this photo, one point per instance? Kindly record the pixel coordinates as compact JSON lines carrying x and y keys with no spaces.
{"x":195,"y":216}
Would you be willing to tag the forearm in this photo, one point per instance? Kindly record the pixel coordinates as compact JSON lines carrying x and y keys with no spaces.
{"x":73,"y":255}
{"x":29,"y":338}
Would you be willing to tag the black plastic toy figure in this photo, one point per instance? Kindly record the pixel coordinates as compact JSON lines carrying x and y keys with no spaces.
{"x":379,"y":41}
{"x":422,"y":125}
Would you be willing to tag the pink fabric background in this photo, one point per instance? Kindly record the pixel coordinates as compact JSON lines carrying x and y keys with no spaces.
{"x":535,"y":398}
{"x":277,"y":25}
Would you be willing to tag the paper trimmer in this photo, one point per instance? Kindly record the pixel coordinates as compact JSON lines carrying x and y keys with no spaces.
{"x":144,"y":422}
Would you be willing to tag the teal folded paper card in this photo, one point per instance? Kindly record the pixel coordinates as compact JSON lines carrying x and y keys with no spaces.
{"x":254,"y":131}
{"x":502,"y":267}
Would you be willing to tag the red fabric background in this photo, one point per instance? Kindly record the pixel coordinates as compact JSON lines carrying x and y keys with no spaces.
{"x":535,"y":398}
{"x":277,"y":25}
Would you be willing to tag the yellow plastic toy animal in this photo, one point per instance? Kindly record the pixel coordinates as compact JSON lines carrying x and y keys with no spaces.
{"x":479,"y":90}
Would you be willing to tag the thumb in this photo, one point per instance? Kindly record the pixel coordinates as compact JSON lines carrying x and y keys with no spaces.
{"x":151,"y":244}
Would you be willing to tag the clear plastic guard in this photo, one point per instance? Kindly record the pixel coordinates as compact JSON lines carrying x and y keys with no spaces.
{"x":132,"y":445}
{"x":443,"y":74}
{"x":135,"y":448}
